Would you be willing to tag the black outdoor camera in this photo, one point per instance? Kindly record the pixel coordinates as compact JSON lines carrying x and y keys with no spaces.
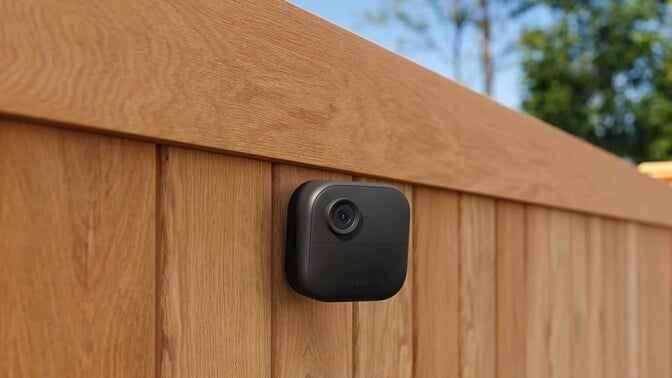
{"x":347,"y":241}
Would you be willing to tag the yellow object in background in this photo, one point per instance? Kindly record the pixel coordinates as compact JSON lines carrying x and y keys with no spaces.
{"x":661,"y":170}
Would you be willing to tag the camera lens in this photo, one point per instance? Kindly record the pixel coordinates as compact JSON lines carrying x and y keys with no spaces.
{"x":343,"y":216}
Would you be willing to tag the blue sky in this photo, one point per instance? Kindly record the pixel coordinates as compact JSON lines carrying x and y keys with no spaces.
{"x":507,"y":84}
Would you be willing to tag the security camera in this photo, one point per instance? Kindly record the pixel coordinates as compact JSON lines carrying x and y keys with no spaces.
{"x":347,"y":241}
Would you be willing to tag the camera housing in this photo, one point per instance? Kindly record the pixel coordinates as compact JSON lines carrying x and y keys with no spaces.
{"x":347,"y":241}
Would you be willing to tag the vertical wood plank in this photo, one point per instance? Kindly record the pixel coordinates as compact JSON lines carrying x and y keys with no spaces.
{"x":613,"y":363}
{"x":549,"y":306}
{"x":595,"y":299}
{"x":383,"y":330}
{"x":511,"y":290}
{"x":539,"y":292}
{"x":477,"y":287}
{"x":619,"y":358}
{"x":435,"y":285}
{"x":580,"y":290}
{"x":215,"y":268}
{"x":630,"y":274}
{"x":77,"y":253}
{"x":309,"y":338}
{"x":561,"y":301}
{"x":655,"y":301}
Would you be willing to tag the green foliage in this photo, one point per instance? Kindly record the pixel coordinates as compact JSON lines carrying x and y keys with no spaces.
{"x":603,"y":71}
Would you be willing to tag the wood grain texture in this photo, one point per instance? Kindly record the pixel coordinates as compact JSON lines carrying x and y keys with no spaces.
{"x":309,"y":338}
{"x":267,"y":79}
{"x":215,"y":270}
{"x":436,"y":283}
{"x":580,"y":296}
{"x":655,"y":302}
{"x":383,"y":330}
{"x":631,"y":298}
{"x":549,"y":293}
{"x":596,"y":329}
{"x":477,"y":287}
{"x":511,"y":290}
{"x":77,"y":231}
{"x":619,"y":358}
{"x":561,"y":300}
{"x":539,"y":293}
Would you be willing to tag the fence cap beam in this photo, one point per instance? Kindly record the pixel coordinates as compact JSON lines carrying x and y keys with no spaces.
{"x":267,"y":79}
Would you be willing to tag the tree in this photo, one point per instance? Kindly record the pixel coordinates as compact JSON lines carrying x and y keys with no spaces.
{"x":439,"y":26}
{"x":603,"y":71}
{"x":486,"y":54}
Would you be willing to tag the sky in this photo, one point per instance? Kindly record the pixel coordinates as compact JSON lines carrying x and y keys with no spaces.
{"x":507,"y":84}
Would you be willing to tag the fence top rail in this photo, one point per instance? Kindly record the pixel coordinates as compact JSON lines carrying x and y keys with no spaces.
{"x":266,"y":79}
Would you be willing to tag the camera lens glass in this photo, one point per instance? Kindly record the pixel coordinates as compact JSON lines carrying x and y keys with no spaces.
{"x":343,"y":216}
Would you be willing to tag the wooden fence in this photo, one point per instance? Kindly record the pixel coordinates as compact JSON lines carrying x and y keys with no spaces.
{"x":147,"y":154}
